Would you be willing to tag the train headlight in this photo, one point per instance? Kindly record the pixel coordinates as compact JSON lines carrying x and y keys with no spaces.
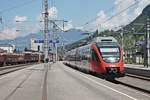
{"x":112,"y":59}
{"x":112,"y":70}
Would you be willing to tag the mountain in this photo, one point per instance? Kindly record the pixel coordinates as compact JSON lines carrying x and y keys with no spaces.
{"x":139,"y":26}
{"x":72,"y":35}
{"x":24,"y":42}
{"x":140,"y":22}
{"x":133,"y":32}
{"x":21,"y":42}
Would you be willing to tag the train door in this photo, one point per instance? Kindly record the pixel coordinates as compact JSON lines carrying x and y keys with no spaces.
{"x":95,"y":62}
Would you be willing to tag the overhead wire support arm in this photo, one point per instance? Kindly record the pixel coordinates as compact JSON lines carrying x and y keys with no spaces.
{"x":54,"y":22}
{"x":56,"y":28}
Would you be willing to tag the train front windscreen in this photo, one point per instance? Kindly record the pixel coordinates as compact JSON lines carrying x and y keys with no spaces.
{"x":110,"y":54}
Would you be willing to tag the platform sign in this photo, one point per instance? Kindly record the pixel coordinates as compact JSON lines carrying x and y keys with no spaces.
{"x":42,"y":41}
{"x":50,"y":41}
{"x":57,"y":41}
{"x":38,"y":41}
{"x":140,"y":43}
{"x":139,"y":33}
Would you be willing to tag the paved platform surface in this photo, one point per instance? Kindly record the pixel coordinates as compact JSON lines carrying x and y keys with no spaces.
{"x":59,"y":82}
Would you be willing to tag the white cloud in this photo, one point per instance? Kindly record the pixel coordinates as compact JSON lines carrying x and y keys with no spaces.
{"x":117,"y":2}
{"x":9,"y":33}
{"x":68,"y":25}
{"x":20,"y":18}
{"x":27,"y":28}
{"x":80,"y":28}
{"x":34,"y":28}
{"x":123,"y":18}
{"x":101,"y":17}
{"x":53,"y":12}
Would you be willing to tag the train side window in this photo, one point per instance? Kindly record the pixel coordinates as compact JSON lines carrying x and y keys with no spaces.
{"x":38,"y":48}
{"x":94,"y":55}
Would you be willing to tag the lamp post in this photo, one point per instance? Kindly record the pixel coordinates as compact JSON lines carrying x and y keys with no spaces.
{"x":148,"y":41}
{"x":121,"y":34}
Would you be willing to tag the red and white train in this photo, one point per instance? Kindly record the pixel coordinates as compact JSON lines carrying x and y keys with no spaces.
{"x":103,"y":56}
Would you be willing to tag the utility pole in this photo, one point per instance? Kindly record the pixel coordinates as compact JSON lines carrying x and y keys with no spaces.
{"x":46,"y":30}
{"x":148,"y":42}
{"x":121,"y":32}
{"x":1,"y":20}
{"x":122,"y":39}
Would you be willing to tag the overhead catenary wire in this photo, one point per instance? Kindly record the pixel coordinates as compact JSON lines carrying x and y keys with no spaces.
{"x":87,"y":23}
{"x":14,"y":7}
{"x":110,"y":9}
{"x":121,"y":11}
{"x":17,"y":6}
{"x":27,"y":2}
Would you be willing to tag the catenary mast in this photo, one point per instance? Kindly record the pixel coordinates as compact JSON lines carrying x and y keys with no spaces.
{"x":46,"y":30}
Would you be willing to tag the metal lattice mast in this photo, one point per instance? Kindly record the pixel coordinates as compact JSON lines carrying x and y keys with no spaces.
{"x":46,"y":29}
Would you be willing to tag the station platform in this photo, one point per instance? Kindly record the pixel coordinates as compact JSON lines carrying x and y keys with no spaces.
{"x":59,"y":82}
{"x":137,"y":66}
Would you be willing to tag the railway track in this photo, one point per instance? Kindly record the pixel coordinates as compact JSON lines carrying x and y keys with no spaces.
{"x":139,"y":77}
{"x":142,"y":84}
{"x":130,"y":84}
{"x":123,"y":81}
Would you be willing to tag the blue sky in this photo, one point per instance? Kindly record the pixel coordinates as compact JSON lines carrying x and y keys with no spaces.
{"x":81,"y":11}
{"x":30,"y":10}
{"x":77,"y":12}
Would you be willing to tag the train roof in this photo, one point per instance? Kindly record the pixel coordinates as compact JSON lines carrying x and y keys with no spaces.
{"x":104,"y":39}
{"x":104,"y":44}
{"x":100,"y":42}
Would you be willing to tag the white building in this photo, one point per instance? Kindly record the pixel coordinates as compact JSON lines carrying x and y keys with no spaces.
{"x":36,"y":46}
{"x":7,"y":47}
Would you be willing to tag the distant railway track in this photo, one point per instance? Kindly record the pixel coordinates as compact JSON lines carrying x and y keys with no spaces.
{"x":9,"y":69}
